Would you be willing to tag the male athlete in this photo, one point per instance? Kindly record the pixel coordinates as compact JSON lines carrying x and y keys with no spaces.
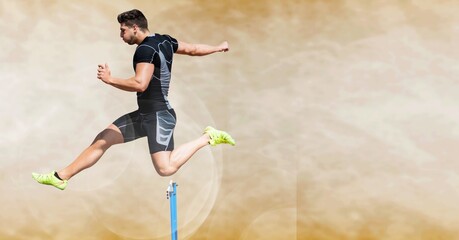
{"x":155,"y":118}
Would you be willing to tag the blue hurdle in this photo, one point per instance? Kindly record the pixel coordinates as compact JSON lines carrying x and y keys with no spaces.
{"x":172,"y":196}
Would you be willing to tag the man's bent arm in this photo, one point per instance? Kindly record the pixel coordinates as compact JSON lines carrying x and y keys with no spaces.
{"x":138,"y":83}
{"x":192,"y":49}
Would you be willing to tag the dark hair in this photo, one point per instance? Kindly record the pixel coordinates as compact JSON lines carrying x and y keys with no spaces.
{"x":134,"y":16}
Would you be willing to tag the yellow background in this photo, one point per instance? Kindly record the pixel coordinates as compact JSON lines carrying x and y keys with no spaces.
{"x":345,"y":115}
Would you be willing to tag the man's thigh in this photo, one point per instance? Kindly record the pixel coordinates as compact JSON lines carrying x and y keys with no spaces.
{"x":129,"y":125}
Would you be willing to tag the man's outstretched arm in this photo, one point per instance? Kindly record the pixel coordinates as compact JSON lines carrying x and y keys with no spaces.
{"x":192,"y":49}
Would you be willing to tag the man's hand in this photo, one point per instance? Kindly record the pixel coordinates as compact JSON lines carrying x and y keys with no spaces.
{"x":224,"y":47}
{"x":103,"y":73}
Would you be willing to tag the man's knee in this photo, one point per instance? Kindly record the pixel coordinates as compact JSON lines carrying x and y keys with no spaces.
{"x":100,"y":142}
{"x":163,"y":164}
{"x":107,"y":138}
{"x":166,"y":171}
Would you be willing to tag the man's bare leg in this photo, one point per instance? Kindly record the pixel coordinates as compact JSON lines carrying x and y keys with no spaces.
{"x":168,"y":162}
{"x":104,"y":140}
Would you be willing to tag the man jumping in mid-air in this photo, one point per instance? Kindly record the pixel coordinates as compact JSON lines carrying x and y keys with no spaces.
{"x":155,"y":118}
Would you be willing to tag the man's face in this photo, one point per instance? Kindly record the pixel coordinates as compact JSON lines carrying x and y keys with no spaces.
{"x":127,"y":34}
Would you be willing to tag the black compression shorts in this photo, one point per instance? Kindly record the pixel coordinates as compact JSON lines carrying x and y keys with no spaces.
{"x":158,"y":127}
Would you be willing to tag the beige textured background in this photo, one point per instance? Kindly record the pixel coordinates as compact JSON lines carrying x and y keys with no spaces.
{"x":345,"y":113}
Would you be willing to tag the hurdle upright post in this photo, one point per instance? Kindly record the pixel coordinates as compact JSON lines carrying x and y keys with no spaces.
{"x":172,"y":196}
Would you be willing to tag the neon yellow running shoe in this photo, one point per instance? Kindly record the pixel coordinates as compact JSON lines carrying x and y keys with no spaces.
{"x":218,"y":137}
{"x":50,"y":179}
